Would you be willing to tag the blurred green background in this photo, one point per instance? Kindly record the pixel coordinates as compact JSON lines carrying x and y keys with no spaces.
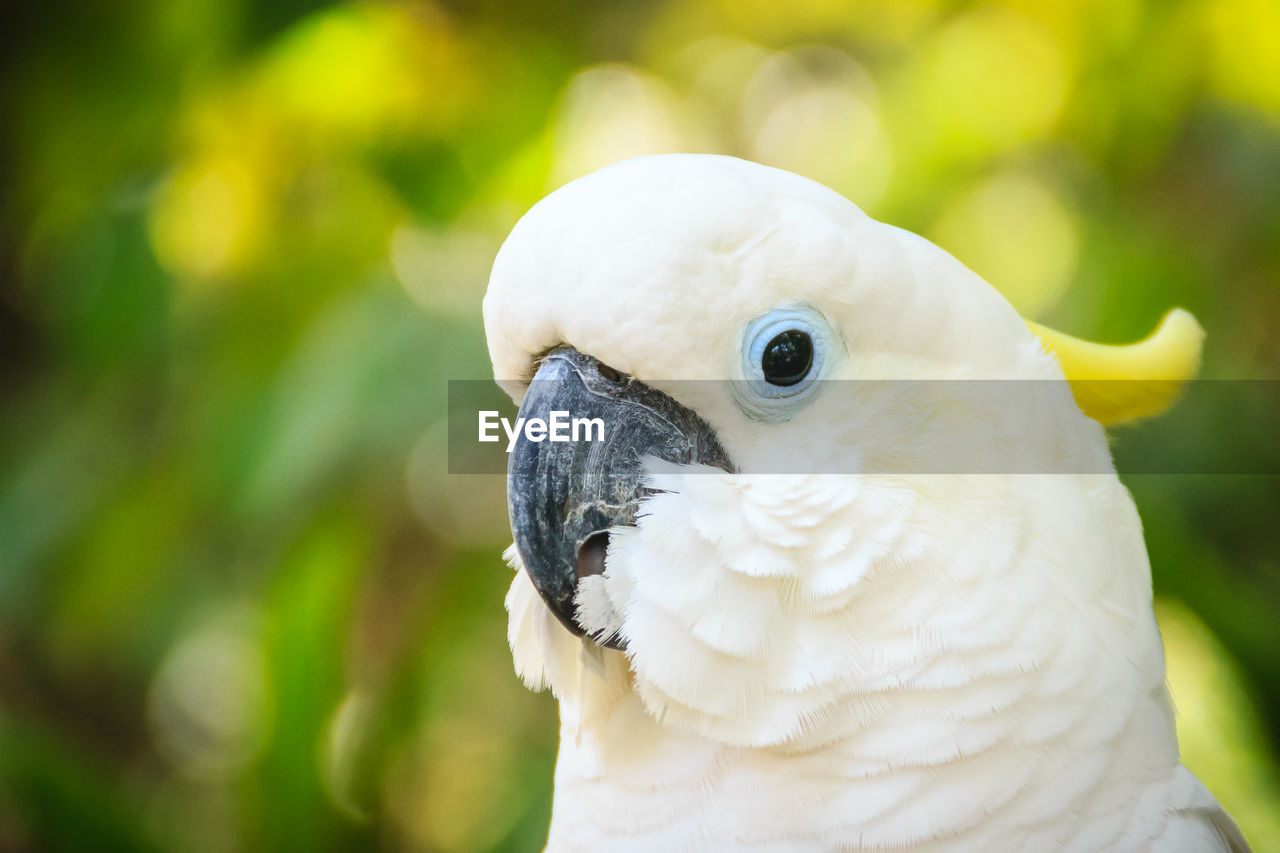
{"x":243,"y":247}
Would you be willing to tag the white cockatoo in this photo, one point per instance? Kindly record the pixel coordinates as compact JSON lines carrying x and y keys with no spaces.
{"x":928,"y":627}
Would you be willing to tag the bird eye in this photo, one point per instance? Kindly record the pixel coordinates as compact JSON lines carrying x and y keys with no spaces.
{"x":784,"y":353}
{"x":787,"y":358}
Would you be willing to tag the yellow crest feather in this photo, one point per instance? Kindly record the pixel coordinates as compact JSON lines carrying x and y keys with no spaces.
{"x":1115,"y":384}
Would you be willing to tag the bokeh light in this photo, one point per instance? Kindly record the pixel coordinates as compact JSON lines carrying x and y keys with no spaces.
{"x":1019,"y":210}
{"x":207,"y":703}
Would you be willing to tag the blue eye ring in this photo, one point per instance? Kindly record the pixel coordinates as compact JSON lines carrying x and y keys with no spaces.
{"x":801,"y":338}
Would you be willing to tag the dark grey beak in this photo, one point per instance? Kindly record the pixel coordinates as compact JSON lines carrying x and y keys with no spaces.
{"x":564,"y":495}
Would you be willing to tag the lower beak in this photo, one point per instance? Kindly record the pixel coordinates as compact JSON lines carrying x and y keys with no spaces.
{"x":564,"y":495}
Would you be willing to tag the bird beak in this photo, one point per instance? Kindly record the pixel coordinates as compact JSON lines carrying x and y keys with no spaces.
{"x":565,"y":495}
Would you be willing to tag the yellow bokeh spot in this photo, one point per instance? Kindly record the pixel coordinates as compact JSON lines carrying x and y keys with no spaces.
{"x":1243,"y":52}
{"x":356,"y":70}
{"x":451,"y":791}
{"x":989,"y":81}
{"x":831,"y":136}
{"x":1220,"y":733}
{"x":814,"y":111}
{"x":206,"y":220}
{"x":612,"y":112}
{"x":716,"y":70}
{"x":1015,"y":232}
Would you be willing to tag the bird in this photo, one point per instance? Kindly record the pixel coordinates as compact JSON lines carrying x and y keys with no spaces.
{"x":852,"y":568}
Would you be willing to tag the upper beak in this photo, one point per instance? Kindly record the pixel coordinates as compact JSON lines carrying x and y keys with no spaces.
{"x":564,"y":496}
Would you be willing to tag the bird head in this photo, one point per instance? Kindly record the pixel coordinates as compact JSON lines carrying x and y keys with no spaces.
{"x":777,"y":374}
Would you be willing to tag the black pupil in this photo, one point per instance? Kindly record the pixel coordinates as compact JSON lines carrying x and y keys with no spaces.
{"x":787,"y":358}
